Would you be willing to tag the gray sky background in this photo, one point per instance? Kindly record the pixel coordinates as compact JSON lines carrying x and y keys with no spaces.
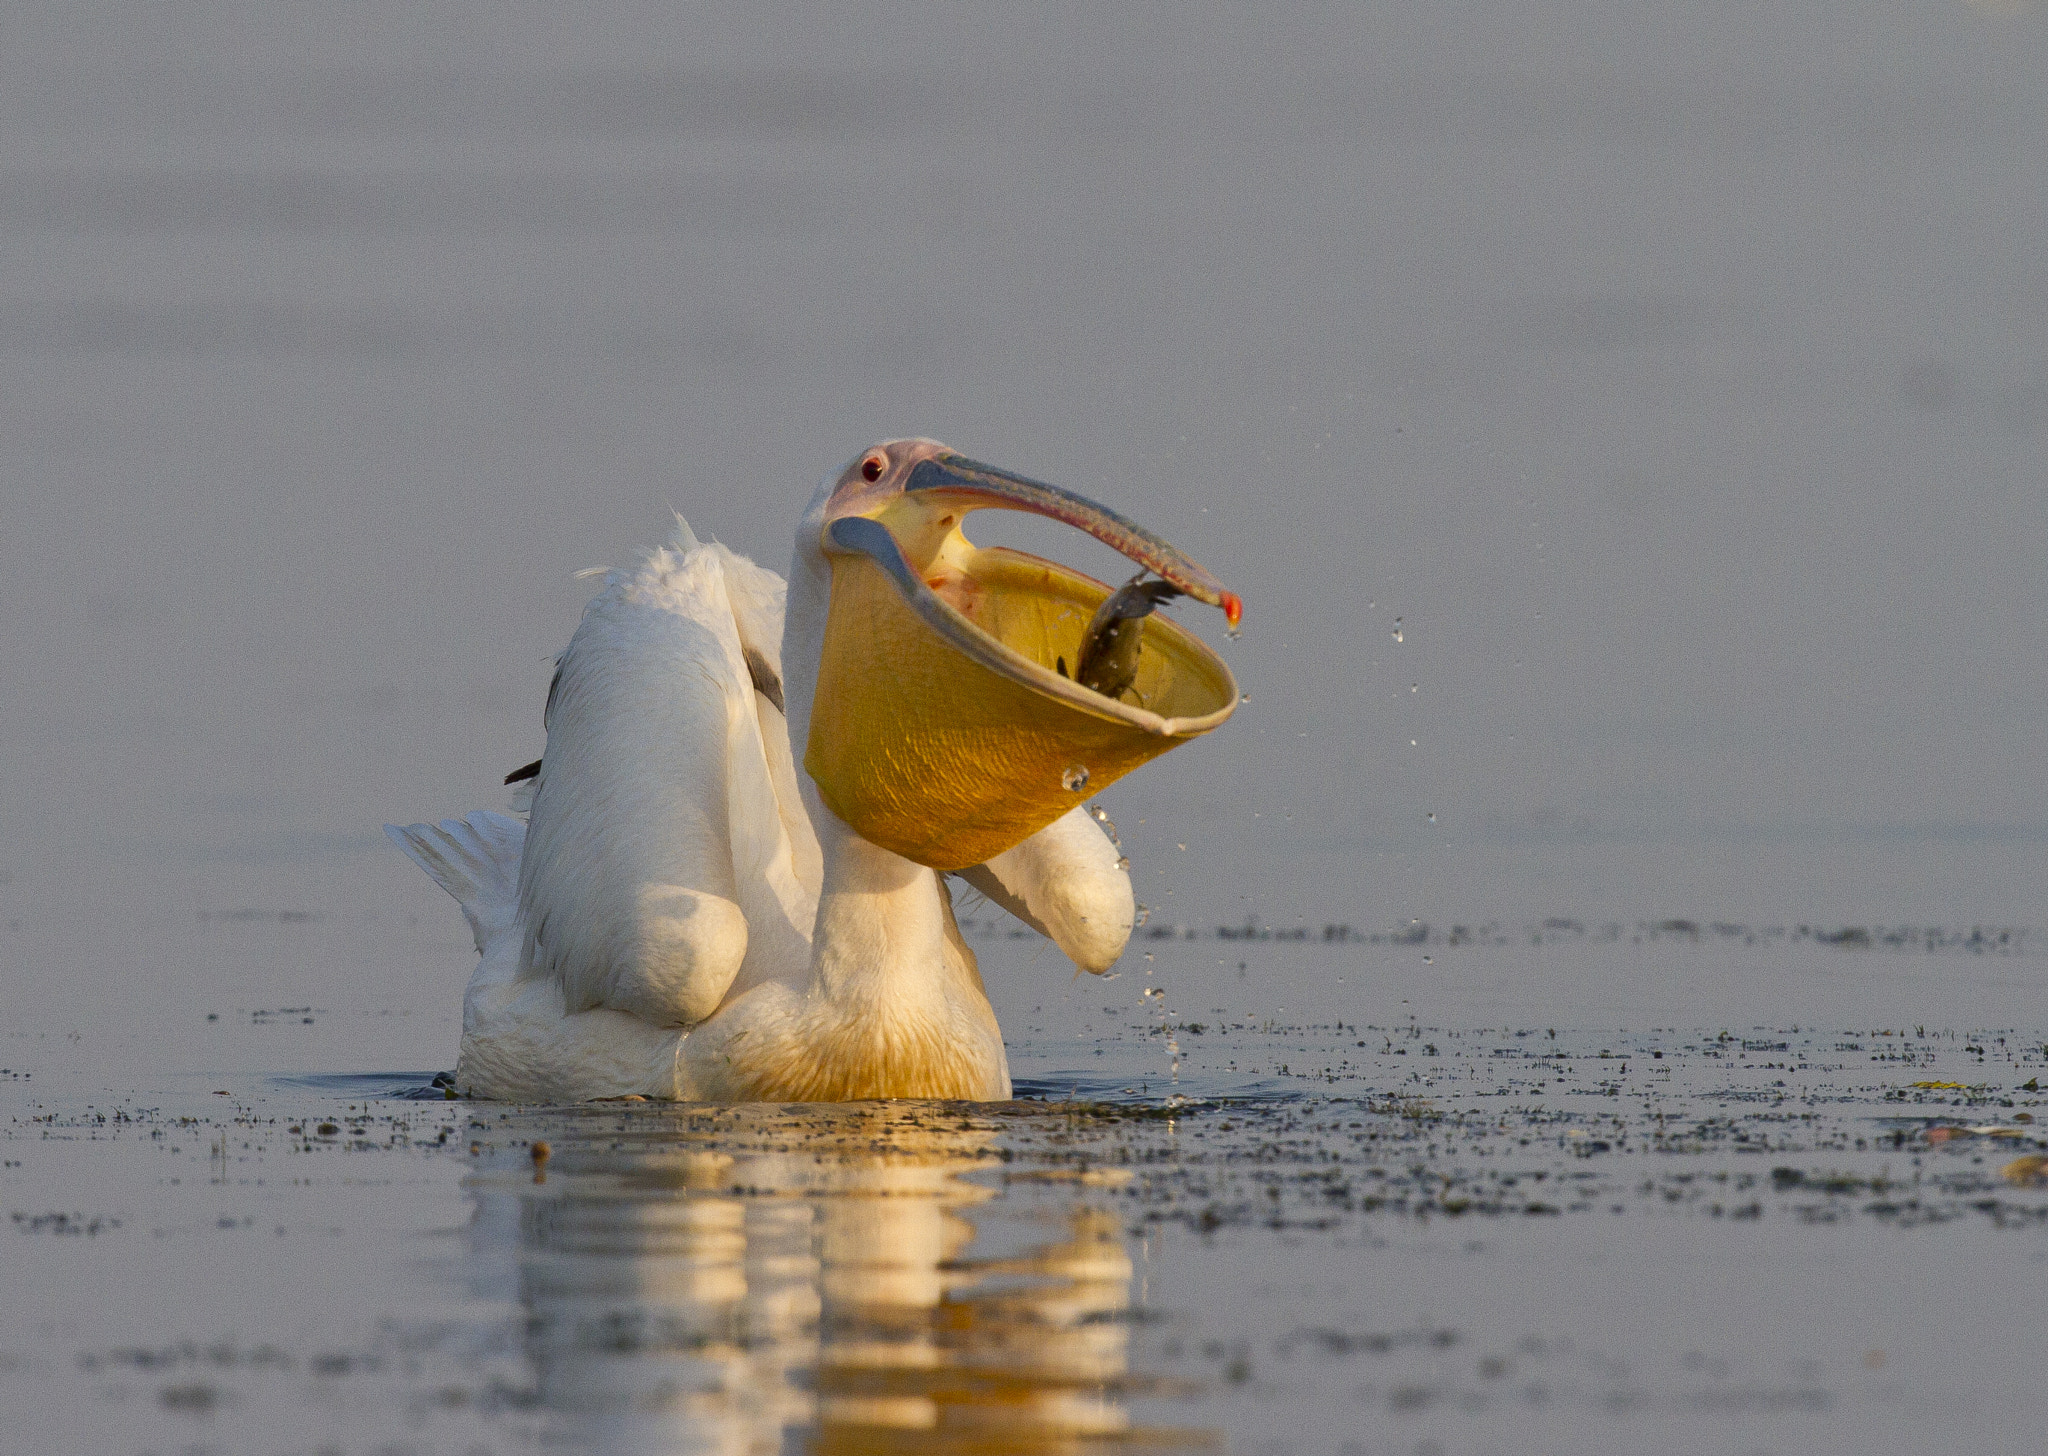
{"x":1675,"y":375}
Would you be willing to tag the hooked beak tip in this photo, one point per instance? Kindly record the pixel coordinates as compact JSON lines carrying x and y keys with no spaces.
{"x":1233,"y":608}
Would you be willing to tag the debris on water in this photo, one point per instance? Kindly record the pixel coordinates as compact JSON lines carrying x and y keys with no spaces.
{"x":539,"y":1153}
{"x":2030,"y":1171}
{"x":2010,"y":941}
{"x":198,"y":1398}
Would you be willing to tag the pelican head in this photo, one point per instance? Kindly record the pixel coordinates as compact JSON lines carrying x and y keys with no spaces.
{"x":944,"y":724}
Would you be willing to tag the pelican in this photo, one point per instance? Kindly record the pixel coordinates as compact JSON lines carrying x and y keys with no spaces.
{"x":690,"y":913}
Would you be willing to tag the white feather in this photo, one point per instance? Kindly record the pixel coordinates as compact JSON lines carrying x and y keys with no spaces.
{"x":476,"y":860}
{"x":1072,"y":881}
{"x":656,"y":851}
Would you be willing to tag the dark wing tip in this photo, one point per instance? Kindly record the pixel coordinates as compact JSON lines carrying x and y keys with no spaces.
{"x":766,"y":683}
{"x":531,"y":771}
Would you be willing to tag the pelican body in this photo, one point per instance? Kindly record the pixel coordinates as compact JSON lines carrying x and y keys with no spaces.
{"x":691,"y":911}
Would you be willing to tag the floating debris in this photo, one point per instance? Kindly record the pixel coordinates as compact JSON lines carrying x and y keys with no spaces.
{"x":1933,"y":940}
{"x":2030,"y":1171}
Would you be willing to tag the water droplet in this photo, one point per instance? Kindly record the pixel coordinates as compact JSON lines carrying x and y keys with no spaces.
{"x":1397,"y":631}
{"x":1429,"y":960}
{"x":1244,"y":697}
{"x":1412,"y":743}
{"x":1074,"y":779}
{"x":1180,"y":846}
{"x":1431,"y":818}
{"x":1415,"y":687}
{"x":1123,"y":861}
{"x":1144,"y":914}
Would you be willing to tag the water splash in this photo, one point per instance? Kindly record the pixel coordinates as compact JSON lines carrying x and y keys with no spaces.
{"x":1166,"y":1029}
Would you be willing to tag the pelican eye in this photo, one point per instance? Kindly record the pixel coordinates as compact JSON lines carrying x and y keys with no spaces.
{"x":872,"y":467}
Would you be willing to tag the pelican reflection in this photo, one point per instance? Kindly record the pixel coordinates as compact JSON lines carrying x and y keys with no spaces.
{"x":760,"y":1278}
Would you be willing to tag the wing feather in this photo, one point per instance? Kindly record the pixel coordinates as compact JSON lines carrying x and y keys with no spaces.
{"x":658,"y":863}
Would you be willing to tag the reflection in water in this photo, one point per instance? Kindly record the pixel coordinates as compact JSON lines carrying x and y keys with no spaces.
{"x":724,"y":1279}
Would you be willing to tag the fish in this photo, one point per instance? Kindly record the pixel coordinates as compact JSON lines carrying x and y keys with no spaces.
{"x":1108,"y":662}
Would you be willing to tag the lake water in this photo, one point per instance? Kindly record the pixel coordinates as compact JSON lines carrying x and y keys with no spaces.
{"x":1624,"y":424}
{"x":1729,"y":1220}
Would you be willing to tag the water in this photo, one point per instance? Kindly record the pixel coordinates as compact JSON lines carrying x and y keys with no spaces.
{"x":1604,"y":1191}
{"x":1674,"y":375}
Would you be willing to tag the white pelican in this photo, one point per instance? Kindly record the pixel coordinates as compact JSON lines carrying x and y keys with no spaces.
{"x":689,"y":914}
